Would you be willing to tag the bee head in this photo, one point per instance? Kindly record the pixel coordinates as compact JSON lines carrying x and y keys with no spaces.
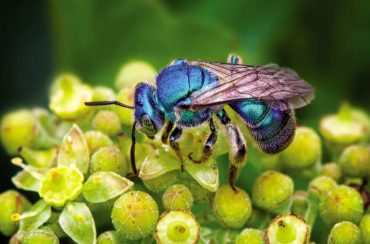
{"x":148,"y":117}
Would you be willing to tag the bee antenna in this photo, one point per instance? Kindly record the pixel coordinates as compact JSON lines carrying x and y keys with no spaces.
{"x":113,"y":102}
{"x":132,"y":150}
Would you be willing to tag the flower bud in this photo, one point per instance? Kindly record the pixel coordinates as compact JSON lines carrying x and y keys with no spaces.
{"x":304,"y":151}
{"x":332,"y":170}
{"x":109,"y":237}
{"x":177,"y":197}
{"x":77,"y":222}
{"x":342,"y":203}
{"x":237,"y":214}
{"x":134,"y":72}
{"x":135,"y":215}
{"x":200,"y":194}
{"x":362,"y":117}
{"x":46,"y":119}
{"x":107,"y":122}
{"x":11,"y":202}
{"x":300,"y":203}
{"x":155,"y":160}
{"x":342,"y":129}
{"x":178,"y":226}
{"x":273,"y":191}
{"x":109,"y":159}
{"x":365,"y":228}
{"x":26,"y":181}
{"x":162,"y":182}
{"x":74,"y":151}
{"x":96,"y":140}
{"x":126,"y":96}
{"x":44,"y":236}
{"x":102,"y":93}
{"x":355,"y":161}
{"x":288,"y":229}
{"x":103,"y":186}
{"x":251,"y":236}
{"x":320,"y":186}
{"x":39,"y":158}
{"x":60,"y":185}
{"x":33,"y":218}
{"x":21,"y":128}
{"x":206,"y":174}
{"x":68,"y":97}
{"x":345,"y":232}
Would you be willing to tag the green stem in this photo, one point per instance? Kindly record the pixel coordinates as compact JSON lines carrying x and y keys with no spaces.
{"x":311,"y":212}
{"x":265,"y":221}
{"x":335,"y":153}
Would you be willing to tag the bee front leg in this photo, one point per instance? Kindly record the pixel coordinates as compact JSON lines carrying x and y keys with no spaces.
{"x":238,"y":146}
{"x":174,"y":143}
{"x":208,"y":146}
{"x":167,"y":131}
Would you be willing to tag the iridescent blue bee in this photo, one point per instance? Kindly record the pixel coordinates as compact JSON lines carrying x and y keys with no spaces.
{"x":188,"y":93}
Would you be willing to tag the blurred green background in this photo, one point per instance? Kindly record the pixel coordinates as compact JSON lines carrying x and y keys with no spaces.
{"x":326,"y":42}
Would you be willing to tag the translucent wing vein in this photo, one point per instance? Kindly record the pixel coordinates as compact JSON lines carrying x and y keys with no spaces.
{"x":282,"y":88}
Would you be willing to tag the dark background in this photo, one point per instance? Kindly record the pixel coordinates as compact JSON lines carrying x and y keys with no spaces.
{"x":326,"y":42}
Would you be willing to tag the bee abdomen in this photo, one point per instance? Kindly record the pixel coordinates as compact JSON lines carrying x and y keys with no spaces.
{"x":272,"y":129}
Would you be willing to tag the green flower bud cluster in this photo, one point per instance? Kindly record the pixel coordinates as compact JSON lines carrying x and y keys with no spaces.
{"x":76,"y":159}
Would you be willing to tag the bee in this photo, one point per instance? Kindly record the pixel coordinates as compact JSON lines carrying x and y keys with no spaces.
{"x":189,"y":93}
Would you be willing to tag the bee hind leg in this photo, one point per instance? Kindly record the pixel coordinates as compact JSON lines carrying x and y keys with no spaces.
{"x":238,"y":147}
{"x":207,"y":149}
{"x":174,"y":143}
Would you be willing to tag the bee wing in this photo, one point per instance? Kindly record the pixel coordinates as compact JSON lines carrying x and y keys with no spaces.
{"x":280,"y":87}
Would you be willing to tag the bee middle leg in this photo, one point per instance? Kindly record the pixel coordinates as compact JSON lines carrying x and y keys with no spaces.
{"x":238,"y":147}
{"x":207,"y":149}
{"x":174,"y":143}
